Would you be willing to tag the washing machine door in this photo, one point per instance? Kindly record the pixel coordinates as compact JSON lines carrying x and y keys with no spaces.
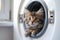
{"x":32,"y":6}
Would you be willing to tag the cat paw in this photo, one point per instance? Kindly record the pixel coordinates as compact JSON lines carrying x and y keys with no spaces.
{"x":27,"y":34}
{"x":34,"y":33}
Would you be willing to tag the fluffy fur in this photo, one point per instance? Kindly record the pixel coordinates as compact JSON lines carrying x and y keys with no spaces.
{"x":34,"y":22}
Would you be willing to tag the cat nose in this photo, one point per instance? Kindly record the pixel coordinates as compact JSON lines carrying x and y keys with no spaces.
{"x":32,"y":22}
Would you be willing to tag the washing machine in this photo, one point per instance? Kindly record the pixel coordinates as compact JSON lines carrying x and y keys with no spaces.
{"x":50,"y":28}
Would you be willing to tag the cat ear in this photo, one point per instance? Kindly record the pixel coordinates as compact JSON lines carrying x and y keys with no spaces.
{"x":40,"y":11}
{"x":27,"y":11}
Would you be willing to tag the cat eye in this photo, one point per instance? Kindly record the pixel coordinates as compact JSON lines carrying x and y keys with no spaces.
{"x":30,"y":18}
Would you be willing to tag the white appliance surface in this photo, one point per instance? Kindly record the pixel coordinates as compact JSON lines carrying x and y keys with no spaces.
{"x":52,"y":32}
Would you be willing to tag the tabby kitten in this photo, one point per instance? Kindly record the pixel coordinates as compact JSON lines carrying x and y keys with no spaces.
{"x":34,"y":22}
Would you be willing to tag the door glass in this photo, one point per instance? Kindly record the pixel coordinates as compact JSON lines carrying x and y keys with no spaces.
{"x":35,"y":18}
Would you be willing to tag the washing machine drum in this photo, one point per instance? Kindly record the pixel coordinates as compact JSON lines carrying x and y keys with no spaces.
{"x":36,"y":19}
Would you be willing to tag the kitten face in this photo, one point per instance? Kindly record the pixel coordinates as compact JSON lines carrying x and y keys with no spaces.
{"x":33,"y":18}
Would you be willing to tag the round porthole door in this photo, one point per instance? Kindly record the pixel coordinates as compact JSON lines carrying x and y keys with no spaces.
{"x":34,"y":17}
